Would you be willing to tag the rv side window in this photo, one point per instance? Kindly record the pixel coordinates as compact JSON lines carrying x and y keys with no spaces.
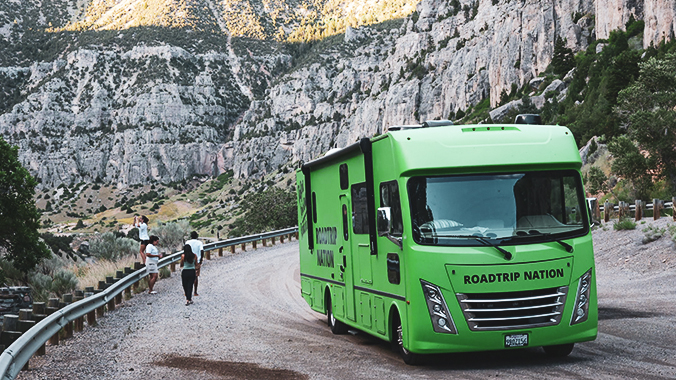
{"x":360,"y":219}
{"x":389,"y":197}
{"x":314,"y":207}
{"x":344,"y":182}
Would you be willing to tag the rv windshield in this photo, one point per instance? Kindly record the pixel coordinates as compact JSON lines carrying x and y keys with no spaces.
{"x":505,"y":208}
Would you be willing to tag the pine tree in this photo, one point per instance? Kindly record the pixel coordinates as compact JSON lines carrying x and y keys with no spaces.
{"x":563,"y":59}
{"x":19,"y":217}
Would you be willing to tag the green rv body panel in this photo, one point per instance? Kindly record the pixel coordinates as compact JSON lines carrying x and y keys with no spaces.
{"x":489,"y":232}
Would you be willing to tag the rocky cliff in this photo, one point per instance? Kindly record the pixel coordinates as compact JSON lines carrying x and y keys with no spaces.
{"x":107,"y":94}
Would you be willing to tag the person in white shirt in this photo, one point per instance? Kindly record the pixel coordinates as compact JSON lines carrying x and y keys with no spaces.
{"x":142,"y":224}
{"x":153,"y":257}
{"x":198,"y":250}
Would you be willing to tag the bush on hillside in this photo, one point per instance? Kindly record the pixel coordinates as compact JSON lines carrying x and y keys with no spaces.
{"x":172,"y":234}
{"x":270,"y":210}
{"x":110,"y":247}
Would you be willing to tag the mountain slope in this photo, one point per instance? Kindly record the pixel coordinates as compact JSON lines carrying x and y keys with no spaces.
{"x":137,"y":91}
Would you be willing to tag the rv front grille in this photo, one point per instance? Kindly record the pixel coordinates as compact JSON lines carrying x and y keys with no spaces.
{"x":513,"y":310}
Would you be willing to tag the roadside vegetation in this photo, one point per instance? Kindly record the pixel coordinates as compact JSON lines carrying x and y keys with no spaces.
{"x":621,"y":99}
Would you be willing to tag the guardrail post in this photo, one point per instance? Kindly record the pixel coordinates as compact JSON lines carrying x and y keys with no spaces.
{"x":232,"y":247}
{"x":10,"y":326}
{"x":296,"y":235}
{"x":127,"y":291}
{"x":67,"y":300}
{"x":207,"y":254}
{"x":172,"y":266}
{"x":220,"y":252}
{"x":39,"y":314}
{"x":254,"y":243}
{"x":53,"y":306}
{"x":281,"y":239}
{"x":91,"y":316}
{"x":25,"y":323}
{"x":118,"y":276}
{"x":101,"y":309}
{"x":657,"y":207}
{"x":265,"y":243}
{"x":638,"y":214}
{"x":620,"y":210}
{"x":136,"y":285}
{"x":243,"y":246}
{"x":111,"y":304}
{"x":606,"y":213}
{"x":272,"y":239}
{"x":79,"y":321}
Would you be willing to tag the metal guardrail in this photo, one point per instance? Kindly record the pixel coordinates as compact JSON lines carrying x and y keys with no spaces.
{"x":18,"y":353}
{"x":632,"y":207}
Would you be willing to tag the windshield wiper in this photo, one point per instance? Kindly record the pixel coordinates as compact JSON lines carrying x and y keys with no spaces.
{"x":482,"y":240}
{"x":568,"y":247}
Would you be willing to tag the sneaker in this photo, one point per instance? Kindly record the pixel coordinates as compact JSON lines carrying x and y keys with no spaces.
{"x":153,"y":292}
{"x":196,"y":295}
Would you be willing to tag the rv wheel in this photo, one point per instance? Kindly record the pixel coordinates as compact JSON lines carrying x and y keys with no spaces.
{"x":559,"y":351}
{"x":408,"y":357}
{"x":337,"y":327}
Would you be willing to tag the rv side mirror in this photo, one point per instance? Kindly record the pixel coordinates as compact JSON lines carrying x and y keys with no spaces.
{"x":384,"y":222}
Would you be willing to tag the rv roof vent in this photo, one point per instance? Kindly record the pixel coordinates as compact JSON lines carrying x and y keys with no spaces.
{"x":528,"y":118}
{"x":436,"y":123}
{"x":402,"y":127}
{"x":331,"y":151}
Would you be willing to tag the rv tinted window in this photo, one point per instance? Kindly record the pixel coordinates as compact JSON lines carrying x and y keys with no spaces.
{"x":344,"y":183}
{"x":389,"y":197}
{"x":360,"y":220}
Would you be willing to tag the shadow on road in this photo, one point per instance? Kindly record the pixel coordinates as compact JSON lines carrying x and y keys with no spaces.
{"x":620,"y":313}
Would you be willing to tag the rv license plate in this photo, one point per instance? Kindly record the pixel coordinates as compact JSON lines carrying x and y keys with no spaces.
{"x":516,"y":340}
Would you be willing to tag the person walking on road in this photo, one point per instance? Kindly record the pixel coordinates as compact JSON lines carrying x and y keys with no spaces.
{"x":188,"y":262}
{"x":153,"y":257}
{"x":141,"y":222}
{"x":198,"y":250}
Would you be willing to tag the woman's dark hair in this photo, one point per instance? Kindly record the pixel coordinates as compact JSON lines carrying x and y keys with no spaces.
{"x":153,"y":239}
{"x":145,"y":219}
{"x":187,"y":252}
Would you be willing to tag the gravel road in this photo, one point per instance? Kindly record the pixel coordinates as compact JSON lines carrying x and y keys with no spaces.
{"x":250,"y":322}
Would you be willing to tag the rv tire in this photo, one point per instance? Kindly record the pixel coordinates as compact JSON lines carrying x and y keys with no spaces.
{"x":337,"y":327}
{"x":559,"y":351}
{"x":398,"y":342}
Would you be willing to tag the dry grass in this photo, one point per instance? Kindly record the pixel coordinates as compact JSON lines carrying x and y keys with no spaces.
{"x":91,"y":274}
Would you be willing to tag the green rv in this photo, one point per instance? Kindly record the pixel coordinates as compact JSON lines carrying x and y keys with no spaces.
{"x":442,"y":238}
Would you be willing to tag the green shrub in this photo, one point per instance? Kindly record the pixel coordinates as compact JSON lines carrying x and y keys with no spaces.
{"x":110,"y":247}
{"x":165,"y":272}
{"x":652,"y":233}
{"x":624,"y":224}
{"x":64,"y":282}
{"x":172,"y":234}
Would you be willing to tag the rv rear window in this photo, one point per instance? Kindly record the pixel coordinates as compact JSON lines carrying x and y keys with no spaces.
{"x":360,"y":220}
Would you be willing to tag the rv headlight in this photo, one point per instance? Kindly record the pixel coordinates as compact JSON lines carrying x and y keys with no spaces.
{"x":582,"y":299}
{"x":442,"y":322}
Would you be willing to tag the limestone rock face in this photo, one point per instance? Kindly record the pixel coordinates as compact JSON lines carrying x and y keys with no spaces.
{"x":132,"y":112}
{"x":126,"y":117}
{"x":659,"y":17}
